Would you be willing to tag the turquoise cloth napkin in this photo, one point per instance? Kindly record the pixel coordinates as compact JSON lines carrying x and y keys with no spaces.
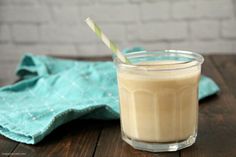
{"x":54,"y":91}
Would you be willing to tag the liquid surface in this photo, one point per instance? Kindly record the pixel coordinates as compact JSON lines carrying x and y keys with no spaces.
{"x":159,"y":106}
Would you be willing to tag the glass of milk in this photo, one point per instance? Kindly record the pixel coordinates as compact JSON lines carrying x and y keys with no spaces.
{"x":158,"y":95}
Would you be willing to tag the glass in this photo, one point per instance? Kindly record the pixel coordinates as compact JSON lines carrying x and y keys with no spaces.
{"x":159,"y":99}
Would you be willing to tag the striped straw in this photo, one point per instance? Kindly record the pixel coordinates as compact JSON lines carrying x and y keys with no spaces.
{"x":111,"y":45}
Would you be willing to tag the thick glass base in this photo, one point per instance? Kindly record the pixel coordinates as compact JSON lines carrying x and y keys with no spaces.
{"x":159,"y":147}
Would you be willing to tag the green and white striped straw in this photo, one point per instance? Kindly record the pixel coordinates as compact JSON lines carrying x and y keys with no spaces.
{"x":111,"y":45}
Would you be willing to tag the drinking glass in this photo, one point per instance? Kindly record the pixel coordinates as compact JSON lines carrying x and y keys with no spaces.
{"x":158,"y":95}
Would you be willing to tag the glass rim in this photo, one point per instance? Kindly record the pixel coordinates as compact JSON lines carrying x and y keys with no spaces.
{"x":189,"y":54}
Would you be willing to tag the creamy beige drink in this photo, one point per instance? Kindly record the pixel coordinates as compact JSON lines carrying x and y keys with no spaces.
{"x":157,"y":104}
{"x":158,"y":94}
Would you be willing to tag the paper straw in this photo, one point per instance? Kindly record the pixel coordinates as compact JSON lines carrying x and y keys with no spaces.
{"x":111,"y":45}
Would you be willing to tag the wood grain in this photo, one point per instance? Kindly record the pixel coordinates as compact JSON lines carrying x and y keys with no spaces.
{"x":6,"y":146}
{"x":110,"y":144}
{"x":226,"y":64}
{"x":217,"y":121}
{"x":216,"y":135}
{"x":74,"y":139}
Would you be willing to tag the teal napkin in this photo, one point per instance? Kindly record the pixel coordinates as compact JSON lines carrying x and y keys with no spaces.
{"x":54,"y":91}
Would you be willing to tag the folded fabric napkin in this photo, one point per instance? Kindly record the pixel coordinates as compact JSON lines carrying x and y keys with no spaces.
{"x":54,"y":91}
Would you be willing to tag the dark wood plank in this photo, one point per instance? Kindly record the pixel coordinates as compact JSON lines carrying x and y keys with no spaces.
{"x":76,"y":138}
{"x":217,"y":130}
{"x":217,"y":121}
{"x":6,"y":146}
{"x":226,"y":64}
{"x":111,"y":144}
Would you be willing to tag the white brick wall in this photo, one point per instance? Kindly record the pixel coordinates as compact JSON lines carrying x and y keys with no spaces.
{"x":166,"y":31}
{"x":205,"y":29}
{"x":24,"y":14}
{"x":58,"y":27}
{"x":157,"y":11}
{"x":214,"y":8}
{"x":22,"y":33}
{"x":229,"y":29}
{"x":119,"y":13}
{"x":184,"y":10}
{"x":65,"y":15}
{"x":69,"y":34}
{"x":4,"y":33}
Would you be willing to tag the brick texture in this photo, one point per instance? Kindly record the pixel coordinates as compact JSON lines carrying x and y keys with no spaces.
{"x":207,"y":29}
{"x":66,"y":34}
{"x":184,"y":10}
{"x":112,"y":13}
{"x":25,"y":33}
{"x":25,"y":14}
{"x":65,"y":15}
{"x":214,"y":8}
{"x":229,"y":29}
{"x":155,"y":11}
{"x":163,"y":31}
{"x":4,"y":33}
{"x":57,"y":27}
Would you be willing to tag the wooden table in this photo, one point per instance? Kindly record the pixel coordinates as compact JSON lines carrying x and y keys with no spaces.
{"x":80,"y":138}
